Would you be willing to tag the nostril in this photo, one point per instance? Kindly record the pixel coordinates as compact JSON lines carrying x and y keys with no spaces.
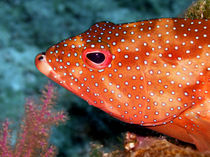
{"x":40,"y":58}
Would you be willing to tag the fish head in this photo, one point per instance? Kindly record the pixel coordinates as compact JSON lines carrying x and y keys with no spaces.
{"x":102,"y":68}
{"x":84,"y":65}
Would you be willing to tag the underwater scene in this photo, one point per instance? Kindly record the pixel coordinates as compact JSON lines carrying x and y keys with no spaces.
{"x":43,"y":41}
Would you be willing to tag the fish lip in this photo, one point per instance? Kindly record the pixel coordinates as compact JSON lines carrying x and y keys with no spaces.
{"x":42,"y":64}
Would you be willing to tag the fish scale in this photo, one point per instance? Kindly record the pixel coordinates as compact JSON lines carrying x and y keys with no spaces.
{"x":154,"y":73}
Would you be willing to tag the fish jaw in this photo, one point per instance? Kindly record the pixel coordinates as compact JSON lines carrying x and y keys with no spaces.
{"x":42,"y":65}
{"x":45,"y":68}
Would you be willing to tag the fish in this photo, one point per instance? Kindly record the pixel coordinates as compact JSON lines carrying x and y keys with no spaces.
{"x":153,"y":73}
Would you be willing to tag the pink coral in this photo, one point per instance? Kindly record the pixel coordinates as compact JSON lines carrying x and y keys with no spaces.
{"x":33,"y":138}
{"x":5,"y":148}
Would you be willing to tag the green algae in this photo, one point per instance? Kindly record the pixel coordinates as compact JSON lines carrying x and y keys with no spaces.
{"x":199,"y":10}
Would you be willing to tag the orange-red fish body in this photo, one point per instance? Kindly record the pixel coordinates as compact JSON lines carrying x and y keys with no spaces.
{"x":154,"y":73}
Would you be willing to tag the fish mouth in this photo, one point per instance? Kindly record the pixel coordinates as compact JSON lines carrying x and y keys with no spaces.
{"x":44,"y":67}
{"x":42,"y":64}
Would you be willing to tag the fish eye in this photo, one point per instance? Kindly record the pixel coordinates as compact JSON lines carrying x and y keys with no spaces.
{"x":96,"y":57}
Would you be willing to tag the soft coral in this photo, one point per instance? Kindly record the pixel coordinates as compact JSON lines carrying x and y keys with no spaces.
{"x":33,"y":138}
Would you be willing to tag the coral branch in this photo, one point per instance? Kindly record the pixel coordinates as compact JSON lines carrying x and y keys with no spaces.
{"x":5,"y":150}
{"x":51,"y":152}
{"x":33,"y":138}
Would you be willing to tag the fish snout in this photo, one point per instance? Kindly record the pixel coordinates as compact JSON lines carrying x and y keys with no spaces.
{"x":42,"y":64}
{"x":40,"y":56}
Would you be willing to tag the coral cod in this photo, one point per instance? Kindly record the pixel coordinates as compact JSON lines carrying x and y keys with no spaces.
{"x":154,"y":73}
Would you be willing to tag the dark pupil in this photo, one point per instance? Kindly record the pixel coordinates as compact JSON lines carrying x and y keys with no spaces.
{"x":96,"y":57}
